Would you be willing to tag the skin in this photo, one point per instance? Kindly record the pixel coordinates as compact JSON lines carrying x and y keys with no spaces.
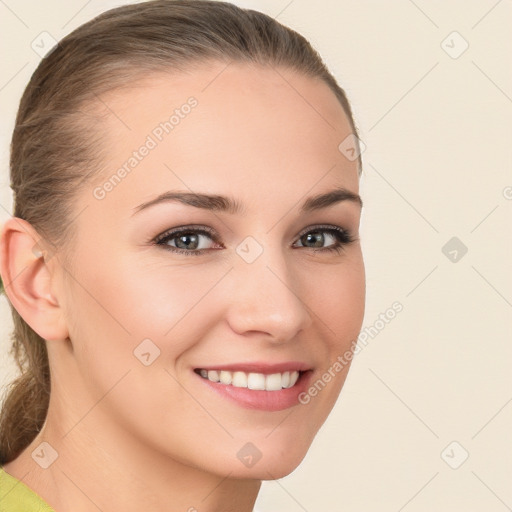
{"x":157,"y":434}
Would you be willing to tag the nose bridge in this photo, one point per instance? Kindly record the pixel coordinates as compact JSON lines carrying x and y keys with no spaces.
{"x":265,"y":295}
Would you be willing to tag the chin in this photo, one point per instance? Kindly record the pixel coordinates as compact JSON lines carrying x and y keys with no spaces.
{"x":269,"y":468}
{"x":262,"y":459}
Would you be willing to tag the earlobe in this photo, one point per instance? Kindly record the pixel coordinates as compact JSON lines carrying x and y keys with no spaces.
{"x":27,"y":278}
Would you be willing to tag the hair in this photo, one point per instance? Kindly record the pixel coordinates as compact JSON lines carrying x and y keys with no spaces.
{"x":54,"y":147}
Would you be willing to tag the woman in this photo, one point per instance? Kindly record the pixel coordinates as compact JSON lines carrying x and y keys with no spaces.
{"x":183,"y":262}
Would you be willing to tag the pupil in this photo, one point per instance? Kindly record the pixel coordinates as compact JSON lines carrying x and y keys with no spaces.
{"x":318,"y":237}
{"x":186,"y":237}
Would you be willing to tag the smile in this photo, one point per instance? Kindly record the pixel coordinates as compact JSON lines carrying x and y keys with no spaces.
{"x":261,"y":386}
{"x":254,"y":381}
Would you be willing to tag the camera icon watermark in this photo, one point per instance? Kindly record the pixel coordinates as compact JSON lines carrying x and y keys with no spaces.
{"x":249,"y":455}
{"x":455,"y":455}
{"x":45,"y":455}
{"x":41,"y":250}
{"x":351,"y":147}
{"x":43,"y":44}
{"x":146,"y":352}
{"x":454,"y":45}
{"x":454,"y":249}
{"x":249,"y":249}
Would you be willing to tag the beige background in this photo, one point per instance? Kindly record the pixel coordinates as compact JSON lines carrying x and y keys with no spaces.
{"x":437,"y":165}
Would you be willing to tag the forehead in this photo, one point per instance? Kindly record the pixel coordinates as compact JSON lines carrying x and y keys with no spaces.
{"x":238,"y":125}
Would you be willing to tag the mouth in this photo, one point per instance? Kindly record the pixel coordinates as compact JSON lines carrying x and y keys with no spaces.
{"x":258,"y":386}
{"x":252,"y":380}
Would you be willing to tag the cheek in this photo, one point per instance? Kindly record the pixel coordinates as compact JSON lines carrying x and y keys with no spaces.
{"x":132,"y":326}
{"x":339,"y":307}
{"x":138,"y":323}
{"x":132,"y":302}
{"x":338,"y":301}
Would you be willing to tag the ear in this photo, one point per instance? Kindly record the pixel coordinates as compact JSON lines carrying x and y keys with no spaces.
{"x":27,"y":278}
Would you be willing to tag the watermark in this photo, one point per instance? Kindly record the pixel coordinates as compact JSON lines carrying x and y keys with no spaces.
{"x":146,"y":352}
{"x":156,"y":136}
{"x":454,"y":249}
{"x":45,"y":455}
{"x":507,"y":193}
{"x":454,"y":44}
{"x":357,"y":345}
{"x":44,"y":44}
{"x":41,"y":249}
{"x":351,"y":147}
{"x":249,"y":249}
{"x":455,"y":455}
{"x":249,"y":455}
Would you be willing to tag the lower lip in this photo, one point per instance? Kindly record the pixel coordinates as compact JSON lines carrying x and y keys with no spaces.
{"x":260,"y":399}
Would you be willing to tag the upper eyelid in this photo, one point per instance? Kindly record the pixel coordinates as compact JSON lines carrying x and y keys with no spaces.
{"x":173,"y":232}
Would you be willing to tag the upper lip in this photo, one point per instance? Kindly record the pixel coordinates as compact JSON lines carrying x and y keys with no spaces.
{"x":257,"y":367}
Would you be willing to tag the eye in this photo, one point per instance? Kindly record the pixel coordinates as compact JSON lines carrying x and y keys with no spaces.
{"x":186,"y":240}
{"x":317,"y":237}
{"x":189,"y":240}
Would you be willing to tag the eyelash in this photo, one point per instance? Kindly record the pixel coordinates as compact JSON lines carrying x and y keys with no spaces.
{"x":343,"y":238}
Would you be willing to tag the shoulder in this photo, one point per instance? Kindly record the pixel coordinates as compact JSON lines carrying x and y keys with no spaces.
{"x":15,"y":496}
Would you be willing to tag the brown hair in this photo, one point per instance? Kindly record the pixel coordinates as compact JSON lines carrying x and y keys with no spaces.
{"x":52,"y":145}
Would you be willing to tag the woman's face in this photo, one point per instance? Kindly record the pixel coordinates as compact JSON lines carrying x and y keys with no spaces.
{"x":252,"y":291}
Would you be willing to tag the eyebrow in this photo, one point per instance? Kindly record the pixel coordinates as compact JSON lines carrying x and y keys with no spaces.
{"x":226,"y":204}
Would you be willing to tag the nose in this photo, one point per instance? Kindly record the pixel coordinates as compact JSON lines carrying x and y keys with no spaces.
{"x":266,"y":301}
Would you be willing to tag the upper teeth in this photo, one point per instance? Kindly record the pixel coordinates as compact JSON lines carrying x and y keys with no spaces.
{"x":256,"y":381}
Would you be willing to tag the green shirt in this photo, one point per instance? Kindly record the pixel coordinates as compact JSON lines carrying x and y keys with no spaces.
{"x":15,"y":496}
